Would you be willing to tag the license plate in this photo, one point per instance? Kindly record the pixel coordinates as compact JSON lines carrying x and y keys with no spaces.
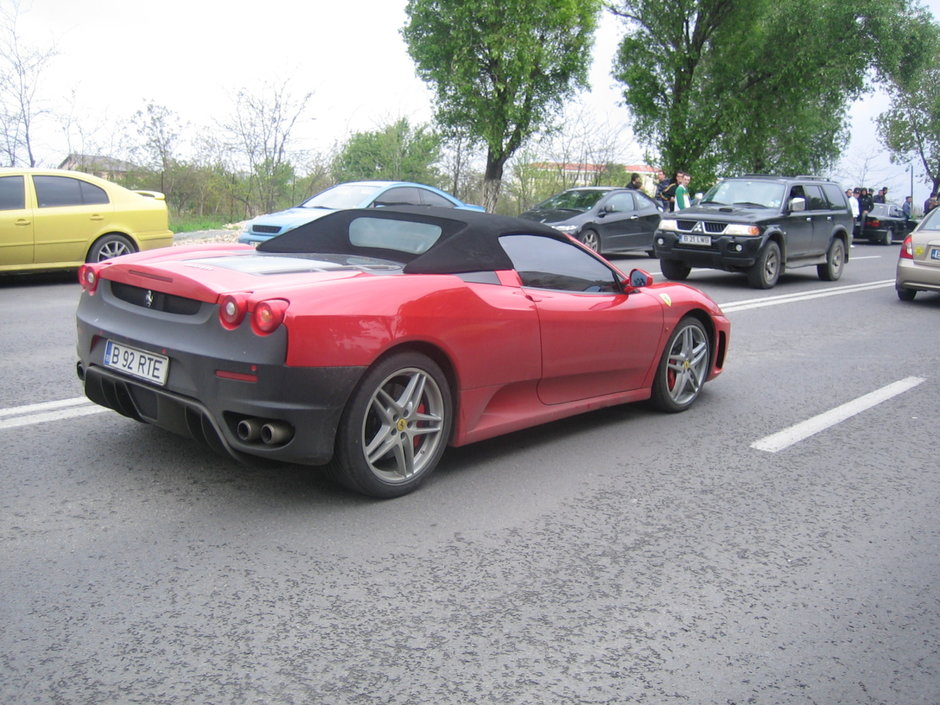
{"x":934,"y":253}
{"x":695,"y":239}
{"x":138,"y":363}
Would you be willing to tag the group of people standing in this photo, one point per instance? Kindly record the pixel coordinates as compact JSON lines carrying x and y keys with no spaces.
{"x":673,"y":194}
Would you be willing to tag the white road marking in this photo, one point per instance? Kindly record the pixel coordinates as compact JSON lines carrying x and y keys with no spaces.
{"x":48,"y":411}
{"x":798,"y":432}
{"x":802,"y":296}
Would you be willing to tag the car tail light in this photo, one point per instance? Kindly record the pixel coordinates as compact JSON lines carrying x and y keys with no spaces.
{"x":232,"y":310}
{"x":88,"y":278}
{"x":907,"y":248}
{"x":268,"y":315}
{"x":874,"y":222}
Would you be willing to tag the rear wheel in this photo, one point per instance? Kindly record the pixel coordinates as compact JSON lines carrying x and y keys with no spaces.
{"x":674,"y":269}
{"x":888,"y":237}
{"x":395,"y":427}
{"x":906,"y":294}
{"x":766,"y":270}
{"x":683,"y":367}
{"x":110,"y":246}
{"x":592,"y":240}
{"x":835,"y":262}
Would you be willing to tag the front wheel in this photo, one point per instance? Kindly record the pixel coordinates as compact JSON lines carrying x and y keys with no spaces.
{"x":766,"y":270}
{"x":674,"y":269}
{"x":395,"y":427}
{"x":835,"y":262}
{"x":683,"y":367}
{"x":888,"y":237}
{"x":591,"y":240}
{"x":110,"y":246}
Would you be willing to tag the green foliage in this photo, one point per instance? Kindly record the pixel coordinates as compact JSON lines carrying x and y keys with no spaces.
{"x":500,"y":69}
{"x":718,"y":85}
{"x":910,"y":129}
{"x":396,"y":152}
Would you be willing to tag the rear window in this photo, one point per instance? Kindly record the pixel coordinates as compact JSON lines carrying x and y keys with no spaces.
{"x":65,"y":191}
{"x":931,"y":220}
{"x":399,"y":235}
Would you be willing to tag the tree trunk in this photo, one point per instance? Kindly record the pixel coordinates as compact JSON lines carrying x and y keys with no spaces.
{"x":492,"y":180}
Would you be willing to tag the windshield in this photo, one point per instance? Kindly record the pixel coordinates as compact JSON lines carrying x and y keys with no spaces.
{"x":579,"y":200}
{"x":341,"y":197}
{"x":739,"y":192}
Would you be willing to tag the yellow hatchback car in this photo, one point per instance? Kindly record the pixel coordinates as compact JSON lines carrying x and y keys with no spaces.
{"x":57,"y":219}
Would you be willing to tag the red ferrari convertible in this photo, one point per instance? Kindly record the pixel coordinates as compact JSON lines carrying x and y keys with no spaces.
{"x":369,"y":340}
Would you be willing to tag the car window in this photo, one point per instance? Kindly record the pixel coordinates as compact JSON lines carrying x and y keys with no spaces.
{"x":835,"y":196}
{"x":815,"y":200}
{"x":12,"y":193}
{"x":931,"y":221}
{"x":400,"y":196}
{"x":735,"y":192}
{"x":644,"y":201}
{"x":65,"y":191}
{"x":546,"y":263}
{"x":620,"y":203}
{"x":400,"y":235}
{"x":576,"y":200}
{"x":341,"y":196}
{"x":429,"y":198}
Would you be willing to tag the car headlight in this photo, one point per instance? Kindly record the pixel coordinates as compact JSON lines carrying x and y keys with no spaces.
{"x":668,"y":224}
{"x":567,"y":229}
{"x":741,"y":229}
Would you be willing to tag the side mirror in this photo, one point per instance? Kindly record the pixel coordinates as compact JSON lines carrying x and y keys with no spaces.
{"x":797,"y":205}
{"x":639,"y":278}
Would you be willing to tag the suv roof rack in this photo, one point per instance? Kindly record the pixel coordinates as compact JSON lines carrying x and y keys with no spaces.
{"x":811,"y":177}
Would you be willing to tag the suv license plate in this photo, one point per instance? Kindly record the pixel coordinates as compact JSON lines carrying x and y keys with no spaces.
{"x":695,"y":240}
{"x":137,"y":363}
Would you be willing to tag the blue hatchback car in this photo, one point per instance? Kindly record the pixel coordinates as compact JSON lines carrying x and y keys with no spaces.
{"x":355,"y":194}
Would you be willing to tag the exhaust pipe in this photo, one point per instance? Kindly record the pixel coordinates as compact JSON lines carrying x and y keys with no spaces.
{"x":248,"y":430}
{"x":275,"y":433}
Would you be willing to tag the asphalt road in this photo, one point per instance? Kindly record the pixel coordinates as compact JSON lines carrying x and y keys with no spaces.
{"x":623,"y":556}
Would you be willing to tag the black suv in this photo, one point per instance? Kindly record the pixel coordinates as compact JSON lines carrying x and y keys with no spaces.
{"x":759,"y":225}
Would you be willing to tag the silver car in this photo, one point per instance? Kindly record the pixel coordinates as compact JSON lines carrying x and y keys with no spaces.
{"x":919,"y":262}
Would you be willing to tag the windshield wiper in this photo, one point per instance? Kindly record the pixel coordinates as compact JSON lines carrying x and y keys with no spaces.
{"x":749,"y":203}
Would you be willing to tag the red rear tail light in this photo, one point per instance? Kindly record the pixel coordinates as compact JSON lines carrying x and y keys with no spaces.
{"x":268,"y":315}
{"x":907,"y":248}
{"x":88,"y":278}
{"x":874,"y":222}
{"x":232,"y":310}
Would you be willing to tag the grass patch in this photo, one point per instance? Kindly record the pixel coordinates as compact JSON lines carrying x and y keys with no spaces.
{"x":189,"y":223}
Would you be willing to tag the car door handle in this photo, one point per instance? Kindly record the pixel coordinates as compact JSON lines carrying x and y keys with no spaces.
{"x":96,"y":217}
{"x":22,"y":221}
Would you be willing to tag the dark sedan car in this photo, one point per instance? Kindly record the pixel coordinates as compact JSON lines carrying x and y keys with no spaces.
{"x":371,"y":339}
{"x":605,"y":218}
{"x":884,"y":224}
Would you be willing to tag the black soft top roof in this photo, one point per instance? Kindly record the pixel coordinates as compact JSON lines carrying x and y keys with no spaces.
{"x":469,"y":240}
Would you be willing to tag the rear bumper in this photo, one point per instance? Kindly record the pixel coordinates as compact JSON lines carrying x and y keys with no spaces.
{"x":920,"y":277}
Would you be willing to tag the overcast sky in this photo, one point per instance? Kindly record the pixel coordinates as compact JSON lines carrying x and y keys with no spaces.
{"x":192,"y":56}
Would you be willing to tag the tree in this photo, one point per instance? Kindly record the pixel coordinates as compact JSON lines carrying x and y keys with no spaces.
{"x":395,"y":152}
{"x":757,"y":86}
{"x":21,"y":67}
{"x":910,"y":128}
{"x":500,"y":69}
{"x":159,"y":130}
{"x":261,"y":127}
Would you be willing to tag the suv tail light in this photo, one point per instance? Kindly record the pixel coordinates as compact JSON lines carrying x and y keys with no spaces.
{"x":268,"y":316}
{"x":907,"y":248}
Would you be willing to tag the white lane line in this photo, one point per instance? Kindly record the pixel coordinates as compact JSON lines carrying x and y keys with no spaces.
{"x":868,"y":257}
{"x":748,"y":304}
{"x":68,"y":413}
{"x":798,"y":432}
{"x":43,"y":406}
